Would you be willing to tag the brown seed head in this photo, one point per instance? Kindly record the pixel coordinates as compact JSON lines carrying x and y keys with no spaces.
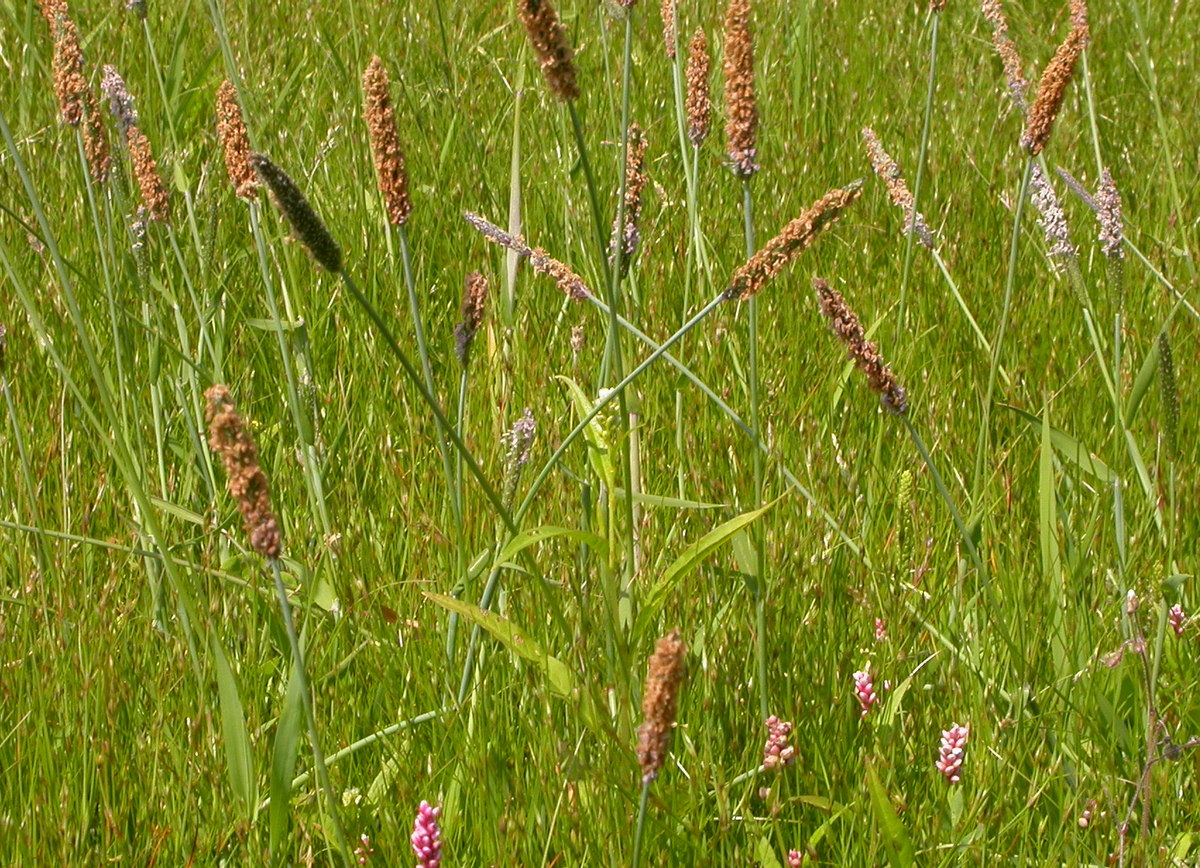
{"x":1053,"y":86}
{"x":549,"y":39}
{"x":473,"y":300}
{"x":893,"y":179}
{"x":1007,"y":50}
{"x":305,"y":223}
{"x":155,"y":198}
{"x":699,"y":104}
{"x":385,"y":143}
{"x":937,"y":5}
{"x":660,"y":701}
{"x":670,"y":22}
{"x":568,"y":281}
{"x":796,"y":237}
{"x":235,"y":142}
{"x":69,"y":84}
{"x":50,"y":10}
{"x":864,"y":353}
{"x":229,"y":437}
{"x":635,"y":182}
{"x":95,"y":140}
{"x":741,"y":105}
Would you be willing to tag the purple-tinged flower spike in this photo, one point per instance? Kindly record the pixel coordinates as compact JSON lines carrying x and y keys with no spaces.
{"x":427,"y":837}
{"x":950,"y":756}
{"x":795,"y":859}
{"x":864,"y":690}
{"x":1178,"y":619}
{"x":777,"y":752}
{"x":881,"y":633}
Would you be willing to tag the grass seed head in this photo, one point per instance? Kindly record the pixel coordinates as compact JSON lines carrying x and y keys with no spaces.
{"x":1007,"y":50}
{"x":305,"y":223}
{"x":670,"y":22}
{"x":887,"y":170}
{"x":155,"y":198}
{"x":385,"y":143}
{"x":864,"y":353}
{"x":235,"y":142}
{"x":699,"y":103}
{"x":554,"y":53}
{"x":120,"y":102}
{"x":1053,"y":86}
{"x":229,"y":437}
{"x":568,"y":281}
{"x":95,"y":140}
{"x":474,"y":297}
{"x":69,"y":84}
{"x":796,"y":237}
{"x":741,"y":104}
{"x":1051,"y":217}
{"x":627,"y":239}
{"x":1169,"y":396}
{"x":1109,"y":215}
{"x":660,"y":703}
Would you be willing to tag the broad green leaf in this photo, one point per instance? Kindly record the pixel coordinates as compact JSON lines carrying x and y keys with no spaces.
{"x":1070,"y":448}
{"x":537,"y":535}
{"x":599,"y":455}
{"x":1141,"y":384}
{"x":283,"y":762}
{"x":508,"y":634}
{"x":238,"y":756}
{"x":654,"y":599}
{"x":178,"y":511}
{"x":670,"y":502}
{"x":764,"y":854}
{"x":895,"y":836}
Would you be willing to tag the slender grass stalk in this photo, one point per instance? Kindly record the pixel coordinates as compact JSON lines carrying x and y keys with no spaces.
{"x":640,"y":826}
{"x":415,"y":378}
{"x":310,"y":717}
{"x":593,"y":196}
{"x":759,"y":537}
{"x":427,"y":370}
{"x":911,"y":240}
{"x":984,"y":439}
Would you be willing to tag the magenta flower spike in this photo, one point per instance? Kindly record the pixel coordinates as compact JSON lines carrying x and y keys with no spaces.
{"x":864,"y":690}
{"x":427,"y":837}
{"x":950,"y":756}
{"x":1177,"y":618}
{"x":777,"y":752}
{"x":794,"y":859}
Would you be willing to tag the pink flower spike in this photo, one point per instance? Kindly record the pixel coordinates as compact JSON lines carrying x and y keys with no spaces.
{"x":1177,"y":618}
{"x":427,"y":837}
{"x":795,"y":860}
{"x":864,"y":689}
{"x":950,"y":756}
{"x":880,"y":630}
{"x":777,"y":752}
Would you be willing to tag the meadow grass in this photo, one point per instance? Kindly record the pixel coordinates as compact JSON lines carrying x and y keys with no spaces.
{"x":464,"y":616}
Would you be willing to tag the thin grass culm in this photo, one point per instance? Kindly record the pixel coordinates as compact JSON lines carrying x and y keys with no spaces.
{"x":230,"y":439}
{"x":660,"y":706}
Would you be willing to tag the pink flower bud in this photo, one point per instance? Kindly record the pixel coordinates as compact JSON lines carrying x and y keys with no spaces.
{"x":950,"y":755}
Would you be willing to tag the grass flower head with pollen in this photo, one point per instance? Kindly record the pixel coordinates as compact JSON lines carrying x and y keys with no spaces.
{"x":385,"y":143}
{"x":794,"y":239}
{"x":235,"y":142}
{"x":229,"y":437}
{"x":660,"y":703}
{"x":554,"y":53}
{"x":888,"y":172}
{"x":1053,"y":86}
{"x":568,"y":281}
{"x":699,"y":103}
{"x":741,"y":104}
{"x":864,"y":353}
